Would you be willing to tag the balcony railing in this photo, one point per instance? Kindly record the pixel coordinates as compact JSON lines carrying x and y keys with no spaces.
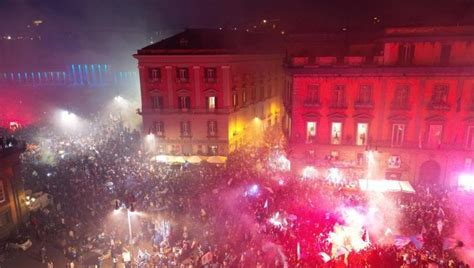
{"x":363,"y":105}
{"x":182,"y":80}
{"x":338,"y":105}
{"x":400,"y":106}
{"x":439,"y":106}
{"x":154,"y":80}
{"x":210,"y":80}
{"x":312,"y":104}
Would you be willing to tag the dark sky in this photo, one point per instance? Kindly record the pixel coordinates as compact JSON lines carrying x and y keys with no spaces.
{"x":170,"y":14}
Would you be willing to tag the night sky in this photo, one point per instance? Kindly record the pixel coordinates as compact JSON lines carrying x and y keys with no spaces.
{"x":151,"y":15}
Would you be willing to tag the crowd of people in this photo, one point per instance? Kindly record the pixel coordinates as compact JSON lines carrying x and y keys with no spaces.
{"x":241,"y":214}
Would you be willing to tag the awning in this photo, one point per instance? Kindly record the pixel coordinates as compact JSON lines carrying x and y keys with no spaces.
{"x":194,"y":159}
{"x":385,"y":186}
{"x":217,"y":159}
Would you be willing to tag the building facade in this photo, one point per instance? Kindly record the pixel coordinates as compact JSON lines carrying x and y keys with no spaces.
{"x":402,"y":100}
{"x":208,"y":92}
{"x":13,"y":209}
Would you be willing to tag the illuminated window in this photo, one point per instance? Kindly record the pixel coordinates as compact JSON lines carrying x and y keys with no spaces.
{"x":336,"y":132}
{"x":212,"y":128}
{"x":182,"y":74}
{"x":154,"y":74}
{"x":470,"y":138}
{"x":2,"y":193}
{"x":210,"y":75}
{"x":159,"y":128}
{"x":185,"y":128}
{"x":362,"y":133}
{"x":212,"y":149}
{"x":434,"y":136}
{"x":310,"y":132}
{"x":398,"y":134}
{"x":184,"y":102}
{"x":156,"y":102}
{"x":211,"y":103}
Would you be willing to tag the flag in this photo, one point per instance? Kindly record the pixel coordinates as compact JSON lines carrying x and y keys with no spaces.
{"x":401,"y":241}
{"x":416,"y":240}
{"x":325,"y":257}
{"x":451,"y":243}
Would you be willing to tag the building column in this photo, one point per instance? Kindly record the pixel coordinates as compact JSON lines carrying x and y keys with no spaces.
{"x":381,"y":118}
{"x":226,"y":84}
{"x":419,"y":107}
{"x":197,"y":88}
{"x":169,"y":85}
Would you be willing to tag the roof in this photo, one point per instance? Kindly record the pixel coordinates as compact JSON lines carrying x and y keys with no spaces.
{"x":215,"y":41}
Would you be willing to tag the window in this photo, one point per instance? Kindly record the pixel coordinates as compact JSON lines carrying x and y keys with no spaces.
{"x":184,"y":103}
{"x":156,"y":102}
{"x":445,"y":54}
{"x":154,"y":74}
{"x":210,"y":75}
{"x":212,"y":128}
{"x":212,"y":150}
{"x":338,"y":97}
{"x":185,"y":128}
{"x":159,"y":128}
{"x":313,"y":94}
{"x":3,"y":197}
{"x":400,"y":100}
{"x":398,"y":134}
{"x":406,"y":53}
{"x":182,"y":74}
{"x":470,"y":138}
{"x":235,"y":99}
{"x":310,"y":132}
{"x":244,"y":96}
{"x":336,"y":132}
{"x":434,"y":136}
{"x":365,"y":96}
{"x":439,"y":99}
{"x":211,"y":103}
{"x":362,"y":133}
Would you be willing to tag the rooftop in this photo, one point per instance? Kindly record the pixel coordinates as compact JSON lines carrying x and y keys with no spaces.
{"x":215,"y":41}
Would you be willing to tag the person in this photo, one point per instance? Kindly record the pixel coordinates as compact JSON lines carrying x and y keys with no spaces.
{"x":43,"y":254}
{"x":50,"y":264}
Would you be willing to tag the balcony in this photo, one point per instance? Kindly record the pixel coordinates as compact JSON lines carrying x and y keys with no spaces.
{"x":186,"y":135}
{"x":210,"y":80}
{"x":182,"y":80}
{"x":363,"y":105}
{"x":312,"y":104}
{"x":154,"y":80}
{"x":212,"y":135}
{"x":338,"y":105}
{"x":439,"y":106}
{"x":397,"y":106}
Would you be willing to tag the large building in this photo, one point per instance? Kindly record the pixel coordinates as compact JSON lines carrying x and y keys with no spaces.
{"x":13,"y":209}
{"x":207,"y":92}
{"x":397,"y":104}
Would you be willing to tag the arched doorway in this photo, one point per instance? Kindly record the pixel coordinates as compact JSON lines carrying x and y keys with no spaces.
{"x":429,"y":172}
